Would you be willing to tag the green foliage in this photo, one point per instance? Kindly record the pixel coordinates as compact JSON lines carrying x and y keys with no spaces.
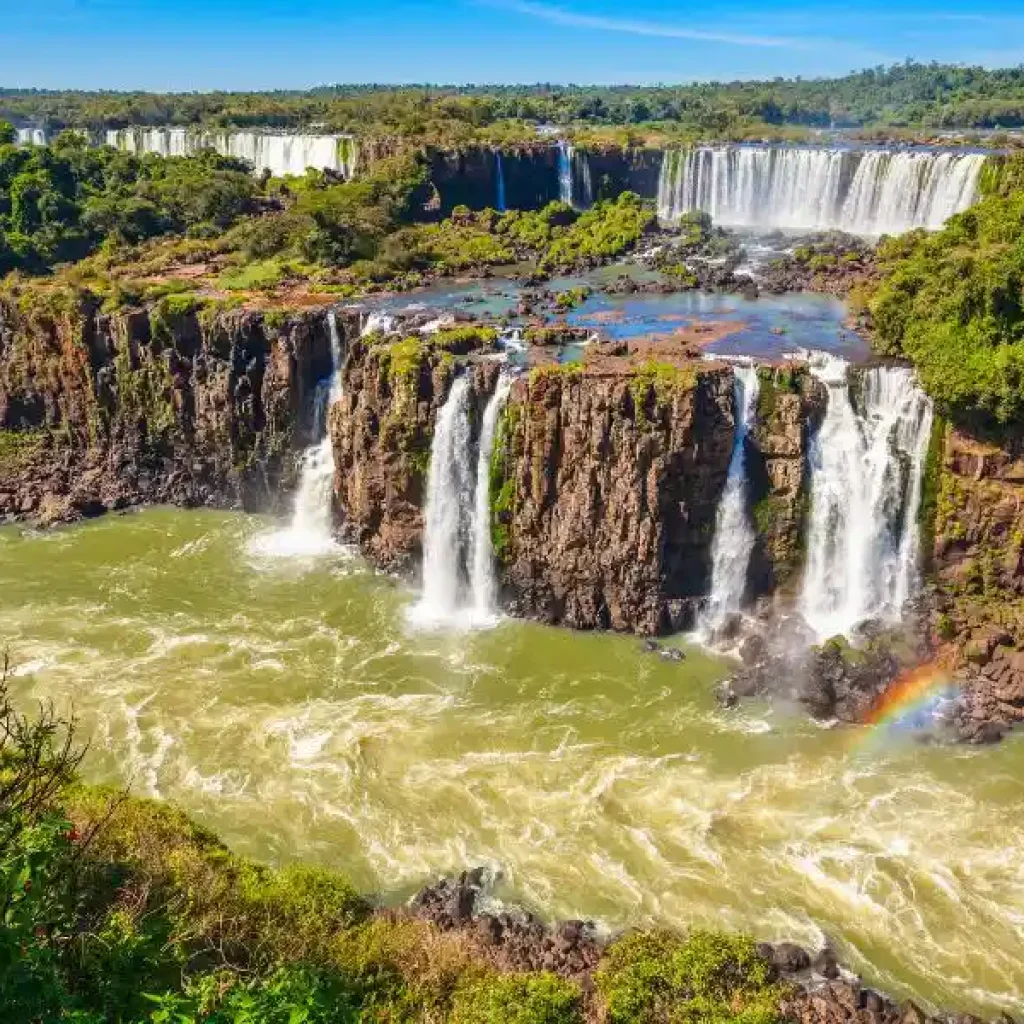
{"x":517,"y":999}
{"x":707,"y":978}
{"x":571,"y":298}
{"x":608,"y":229}
{"x":953,"y":303}
{"x":664,"y":380}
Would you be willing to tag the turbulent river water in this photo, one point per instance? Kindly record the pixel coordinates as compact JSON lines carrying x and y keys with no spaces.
{"x":288,"y":704}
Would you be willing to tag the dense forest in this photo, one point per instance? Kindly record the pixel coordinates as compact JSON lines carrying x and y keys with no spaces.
{"x":903,"y":96}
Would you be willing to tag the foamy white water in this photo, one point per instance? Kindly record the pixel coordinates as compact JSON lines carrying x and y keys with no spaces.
{"x":734,"y":531}
{"x":866,"y":192}
{"x":863,"y":546}
{"x":481,"y":567}
{"x":311,"y":530}
{"x":446,"y":515}
{"x":280,"y":153}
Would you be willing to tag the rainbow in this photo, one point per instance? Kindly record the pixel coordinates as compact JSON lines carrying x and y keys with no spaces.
{"x":911,"y":699}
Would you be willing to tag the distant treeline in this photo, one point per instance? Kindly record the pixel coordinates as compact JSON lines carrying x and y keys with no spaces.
{"x":904,"y":96}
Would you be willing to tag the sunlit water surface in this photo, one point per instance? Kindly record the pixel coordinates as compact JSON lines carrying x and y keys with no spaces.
{"x":287,"y":704}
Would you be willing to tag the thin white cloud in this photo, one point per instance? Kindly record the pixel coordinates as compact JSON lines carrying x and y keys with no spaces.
{"x":560,"y":16}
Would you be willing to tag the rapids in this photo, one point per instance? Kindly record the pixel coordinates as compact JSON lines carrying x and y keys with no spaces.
{"x":288,"y":705}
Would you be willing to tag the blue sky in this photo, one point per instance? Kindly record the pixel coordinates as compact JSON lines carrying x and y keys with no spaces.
{"x":263,"y":44}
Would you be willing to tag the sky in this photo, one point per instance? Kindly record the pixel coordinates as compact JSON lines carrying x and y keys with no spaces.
{"x":185,"y":45}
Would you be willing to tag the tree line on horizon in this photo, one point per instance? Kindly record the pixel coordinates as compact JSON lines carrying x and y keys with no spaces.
{"x":909,"y":96}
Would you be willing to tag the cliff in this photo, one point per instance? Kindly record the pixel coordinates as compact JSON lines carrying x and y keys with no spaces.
{"x":976,"y":494}
{"x":606,"y":489}
{"x":790,"y":407}
{"x":183,"y":404}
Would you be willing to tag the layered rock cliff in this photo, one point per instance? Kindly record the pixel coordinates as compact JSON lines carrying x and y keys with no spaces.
{"x":606,"y":487}
{"x":176,"y":404}
{"x":976,"y":495}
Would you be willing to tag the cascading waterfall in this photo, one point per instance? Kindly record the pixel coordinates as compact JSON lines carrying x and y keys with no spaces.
{"x":866,"y":468}
{"x":866,"y":192}
{"x":565,"y":189}
{"x":481,"y":566}
{"x":499,"y":174}
{"x":734,"y":531}
{"x":573,"y":170}
{"x":281,"y":154}
{"x":309,"y":533}
{"x":449,"y":483}
{"x":31,"y":136}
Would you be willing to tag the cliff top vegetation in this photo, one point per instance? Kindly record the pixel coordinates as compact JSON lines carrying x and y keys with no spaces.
{"x":920,"y":97}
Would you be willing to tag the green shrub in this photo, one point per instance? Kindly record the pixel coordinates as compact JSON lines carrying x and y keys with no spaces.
{"x":517,"y":999}
{"x":707,"y":978}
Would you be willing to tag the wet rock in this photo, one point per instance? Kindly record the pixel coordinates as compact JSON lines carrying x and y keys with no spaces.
{"x":790,"y":958}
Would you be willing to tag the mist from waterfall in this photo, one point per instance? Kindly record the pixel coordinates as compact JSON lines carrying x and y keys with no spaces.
{"x":499,"y":175}
{"x":866,"y":466}
{"x":310,"y":532}
{"x":734,"y":530}
{"x":865,"y":192}
{"x":481,"y":566}
{"x":280,"y":153}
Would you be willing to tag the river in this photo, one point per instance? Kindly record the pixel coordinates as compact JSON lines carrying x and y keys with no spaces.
{"x":287,"y":703}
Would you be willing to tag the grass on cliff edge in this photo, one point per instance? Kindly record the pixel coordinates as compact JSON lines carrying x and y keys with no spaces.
{"x":125,"y":910}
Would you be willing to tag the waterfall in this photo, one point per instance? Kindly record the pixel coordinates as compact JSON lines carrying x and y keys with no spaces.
{"x":866,"y":192}
{"x":573,"y":170}
{"x":31,"y":137}
{"x":281,"y":154}
{"x":499,"y":171}
{"x":866,"y":468}
{"x":310,"y":531}
{"x":734,"y":531}
{"x":481,"y":566}
{"x":449,"y":480}
{"x":565,"y":190}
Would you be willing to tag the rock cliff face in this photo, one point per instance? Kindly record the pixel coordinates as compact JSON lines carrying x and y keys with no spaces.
{"x":791,"y":404}
{"x":174,"y":405}
{"x":977,"y":494}
{"x":530,"y":173}
{"x":606,"y":490}
{"x":381,"y":429}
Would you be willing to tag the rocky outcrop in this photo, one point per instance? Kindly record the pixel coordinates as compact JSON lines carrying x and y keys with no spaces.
{"x":790,"y":407}
{"x":606,"y":489}
{"x":977,"y":497}
{"x":176,"y":404}
{"x":813,"y":988}
{"x":381,"y":429}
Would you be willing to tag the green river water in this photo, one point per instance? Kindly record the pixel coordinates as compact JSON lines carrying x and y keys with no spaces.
{"x":287,"y":704}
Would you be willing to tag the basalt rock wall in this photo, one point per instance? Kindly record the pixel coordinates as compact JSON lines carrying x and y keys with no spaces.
{"x":190,"y":406}
{"x":607,"y":493}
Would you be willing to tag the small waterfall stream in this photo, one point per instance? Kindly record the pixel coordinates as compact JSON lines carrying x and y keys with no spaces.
{"x":734,"y":531}
{"x":481,"y":566}
{"x":866,"y":468}
{"x":449,"y":482}
{"x":499,"y":176}
{"x":565,"y":189}
{"x":459,"y":584}
{"x":310,"y":531}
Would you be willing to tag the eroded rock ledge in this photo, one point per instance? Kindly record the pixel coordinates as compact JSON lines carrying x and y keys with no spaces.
{"x":816,"y":989}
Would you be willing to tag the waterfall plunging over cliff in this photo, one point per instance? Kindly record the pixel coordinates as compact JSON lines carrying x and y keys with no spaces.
{"x":310,"y":531}
{"x":31,"y":136}
{"x":866,"y":468}
{"x":481,"y":566}
{"x":574,"y":184}
{"x":281,"y":154}
{"x":449,"y":482}
{"x":499,"y":176}
{"x":734,"y":531}
{"x":866,"y":192}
